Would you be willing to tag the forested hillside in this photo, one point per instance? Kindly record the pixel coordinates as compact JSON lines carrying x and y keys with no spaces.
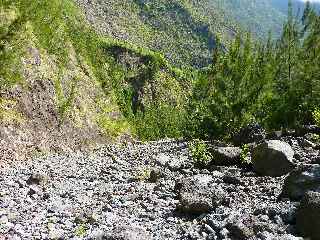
{"x":57,"y":73}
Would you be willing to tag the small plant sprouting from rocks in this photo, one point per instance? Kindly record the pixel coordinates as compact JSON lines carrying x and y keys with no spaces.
{"x":143,"y":174}
{"x":315,"y":138}
{"x":245,"y":154}
{"x":199,"y":153}
{"x":81,"y":231}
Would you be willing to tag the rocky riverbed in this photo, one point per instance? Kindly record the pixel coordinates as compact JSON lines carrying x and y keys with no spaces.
{"x":153,"y":191}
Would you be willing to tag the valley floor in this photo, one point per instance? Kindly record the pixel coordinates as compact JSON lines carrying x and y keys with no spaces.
{"x":132,"y":192}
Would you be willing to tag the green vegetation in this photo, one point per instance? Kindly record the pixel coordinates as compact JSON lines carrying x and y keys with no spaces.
{"x":200,"y":153}
{"x":134,"y":80}
{"x":316,"y":117}
{"x":315,"y":138}
{"x":130,"y":89}
{"x":245,"y":154}
{"x":7,"y":112}
{"x":142,"y":174}
{"x":184,"y":30}
{"x":276,"y":84}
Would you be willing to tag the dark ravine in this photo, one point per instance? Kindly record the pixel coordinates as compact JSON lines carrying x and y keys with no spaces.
{"x":153,"y":191}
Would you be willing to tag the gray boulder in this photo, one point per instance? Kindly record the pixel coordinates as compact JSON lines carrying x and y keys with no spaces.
{"x":225,"y":156}
{"x":273,"y":158}
{"x":198,"y":194}
{"x":301,"y":181}
{"x":308,"y":216}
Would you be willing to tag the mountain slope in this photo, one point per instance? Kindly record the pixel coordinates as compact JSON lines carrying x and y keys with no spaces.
{"x":179,"y":29}
{"x":256,"y":16}
{"x":184,"y":30}
{"x":298,"y":5}
{"x":62,"y":86}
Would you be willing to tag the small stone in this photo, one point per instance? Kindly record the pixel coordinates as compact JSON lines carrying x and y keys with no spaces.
{"x":240,"y":231}
{"x":224,"y":233}
{"x":209,"y":229}
{"x":36,"y":179}
{"x":155,"y":175}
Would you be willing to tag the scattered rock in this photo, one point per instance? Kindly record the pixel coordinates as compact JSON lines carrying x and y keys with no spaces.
{"x":92,"y":196}
{"x":125,"y":232}
{"x":300,"y":181}
{"x":239,"y":230}
{"x":307,"y":144}
{"x":273,"y":158}
{"x":308,"y":216}
{"x":176,"y":164}
{"x":162,"y":159}
{"x":232,"y":180}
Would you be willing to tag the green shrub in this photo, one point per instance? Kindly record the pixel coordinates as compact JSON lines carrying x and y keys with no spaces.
{"x":200,"y":153}
{"x":316,"y":117}
{"x":159,"y":122}
{"x":315,"y":138}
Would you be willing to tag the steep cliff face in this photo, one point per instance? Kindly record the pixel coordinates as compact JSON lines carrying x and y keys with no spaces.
{"x":63,"y":87}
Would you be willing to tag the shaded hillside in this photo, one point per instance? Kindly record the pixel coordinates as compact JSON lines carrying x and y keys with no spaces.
{"x":297,"y":4}
{"x":184,"y":31}
{"x":256,"y":16}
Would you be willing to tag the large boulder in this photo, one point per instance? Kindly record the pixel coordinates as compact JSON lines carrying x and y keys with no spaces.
{"x":198,"y":194}
{"x":273,"y":158}
{"x":225,"y":156}
{"x":249,"y":134}
{"x":308,"y":216}
{"x":301,"y":181}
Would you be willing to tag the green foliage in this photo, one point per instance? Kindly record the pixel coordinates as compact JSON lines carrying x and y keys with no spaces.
{"x":223,"y":96}
{"x":315,"y":138}
{"x":65,"y":102}
{"x":245,"y":154}
{"x":316,"y":116}
{"x":200,"y":153}
{"x":158,"y":121}
{"x":142,"y":174}
{"x":276,"y":83}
